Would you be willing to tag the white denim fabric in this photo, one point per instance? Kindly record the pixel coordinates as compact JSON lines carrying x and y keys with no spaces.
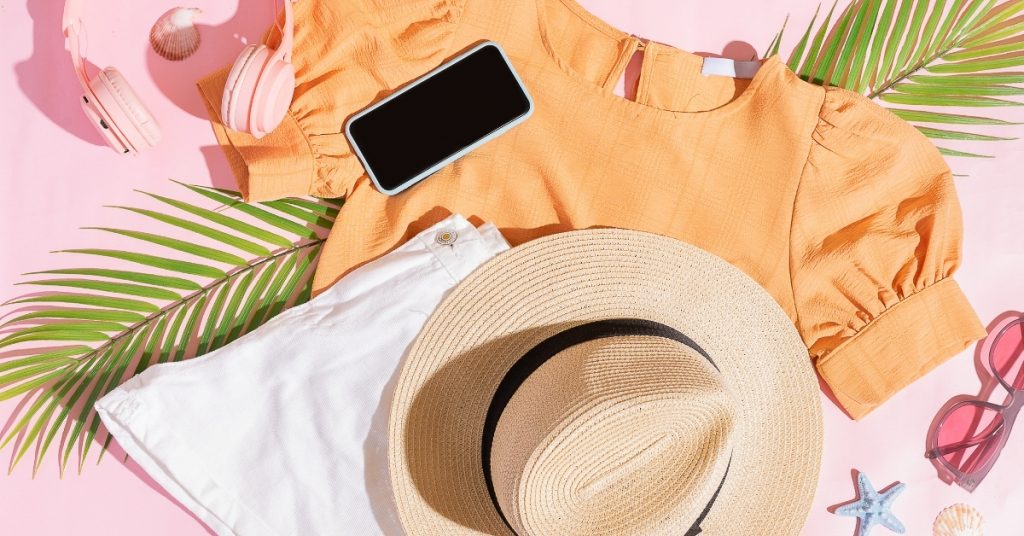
{"x":284,"y":431}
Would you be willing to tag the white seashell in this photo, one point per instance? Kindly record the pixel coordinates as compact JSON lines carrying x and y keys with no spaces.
{"x":175,"y":36}
{"x":958,"y":520}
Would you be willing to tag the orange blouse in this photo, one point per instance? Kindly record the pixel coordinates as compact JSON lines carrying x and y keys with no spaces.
{"x":846,"y":214}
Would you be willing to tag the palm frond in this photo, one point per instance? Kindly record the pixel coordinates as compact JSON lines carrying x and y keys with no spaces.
{"x":773,"y":48}
{"x":228,"y":270}
{"x":920,"y":56}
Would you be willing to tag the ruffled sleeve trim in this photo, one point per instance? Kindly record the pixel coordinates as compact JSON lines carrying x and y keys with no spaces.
{"x":900,"y":346}
{"x":336,"y":168}
{"x":280,"y":164}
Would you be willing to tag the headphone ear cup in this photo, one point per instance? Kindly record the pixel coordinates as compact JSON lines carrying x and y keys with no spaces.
{"x":272,"y":98}
{"x":131,"y":118}
{"x":240,"y":87}
{"x":104,"y":124}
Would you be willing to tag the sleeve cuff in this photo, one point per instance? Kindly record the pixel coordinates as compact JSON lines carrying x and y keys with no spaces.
{"x":903,"y":344}
{"x":281,"y":164}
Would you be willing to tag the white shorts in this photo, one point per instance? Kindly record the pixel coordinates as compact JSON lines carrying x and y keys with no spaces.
{"x":284,"y":431}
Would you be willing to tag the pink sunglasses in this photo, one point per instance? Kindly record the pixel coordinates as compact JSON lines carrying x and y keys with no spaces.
{"x":970,"y":434}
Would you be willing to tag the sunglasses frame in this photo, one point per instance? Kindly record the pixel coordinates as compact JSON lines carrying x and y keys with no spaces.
{"x":1007,"y":412}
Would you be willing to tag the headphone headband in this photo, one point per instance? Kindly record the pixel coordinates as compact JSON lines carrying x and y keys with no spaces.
{"x":72,"y":25}
{"x":288,"y":32}
{"x":70,"y":21}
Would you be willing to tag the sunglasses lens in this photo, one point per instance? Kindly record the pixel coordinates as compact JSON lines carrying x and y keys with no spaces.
{"x":967,"y":437}
{"x":1008,"y":355}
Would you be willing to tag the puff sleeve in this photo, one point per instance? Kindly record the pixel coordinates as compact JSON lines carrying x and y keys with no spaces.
{"x":347,"y":54}
{"x":875,"y":240}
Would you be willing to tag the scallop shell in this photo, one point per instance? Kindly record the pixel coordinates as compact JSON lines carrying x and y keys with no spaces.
{"x":958,"y":520}
{"x":175,"y":36}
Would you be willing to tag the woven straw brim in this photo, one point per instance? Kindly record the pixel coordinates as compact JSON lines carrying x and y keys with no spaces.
{"x":546,"y":286}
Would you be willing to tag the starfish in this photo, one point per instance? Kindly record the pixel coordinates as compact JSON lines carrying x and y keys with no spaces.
{"x":873,"y":508}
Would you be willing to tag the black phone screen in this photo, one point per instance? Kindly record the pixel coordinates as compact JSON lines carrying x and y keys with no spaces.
{"x":430,"y":121}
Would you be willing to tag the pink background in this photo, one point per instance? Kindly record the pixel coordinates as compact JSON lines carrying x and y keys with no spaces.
{"x":56,"y":178}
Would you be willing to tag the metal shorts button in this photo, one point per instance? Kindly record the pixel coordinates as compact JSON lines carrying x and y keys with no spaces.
{"x":446,"y":238}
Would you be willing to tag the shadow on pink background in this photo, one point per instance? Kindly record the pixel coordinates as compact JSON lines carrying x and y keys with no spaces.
{"x":115,"y":452}
{"x":46,"y":78}
{"x":56,"y":178}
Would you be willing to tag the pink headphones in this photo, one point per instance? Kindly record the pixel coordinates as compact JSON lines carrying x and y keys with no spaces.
{"x":261,"y":84}
{"x":256,"y":98}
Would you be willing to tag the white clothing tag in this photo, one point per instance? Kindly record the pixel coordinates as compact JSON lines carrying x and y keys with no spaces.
{"x":730,"y":68}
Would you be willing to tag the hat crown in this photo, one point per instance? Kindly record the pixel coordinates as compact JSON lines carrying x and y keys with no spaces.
{"x":625,"y":435}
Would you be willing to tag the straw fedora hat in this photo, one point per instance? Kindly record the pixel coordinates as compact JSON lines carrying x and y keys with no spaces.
{"x":606,"y":382}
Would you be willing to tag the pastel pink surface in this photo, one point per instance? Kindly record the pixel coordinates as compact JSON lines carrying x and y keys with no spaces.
{"x":55,"y":177}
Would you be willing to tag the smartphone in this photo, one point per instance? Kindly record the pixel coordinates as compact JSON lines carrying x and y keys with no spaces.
{"x":438,"y":118}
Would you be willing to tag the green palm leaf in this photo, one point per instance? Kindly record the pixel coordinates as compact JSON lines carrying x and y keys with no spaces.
{"x":126,"y":275}
{"x":80,"y":314}
{"x":925,"y":54}
{"x":109,"y":286}
{"x":66,"y":348}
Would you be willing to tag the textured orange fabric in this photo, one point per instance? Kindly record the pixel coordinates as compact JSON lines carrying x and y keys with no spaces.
{"x":844,"y":213}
